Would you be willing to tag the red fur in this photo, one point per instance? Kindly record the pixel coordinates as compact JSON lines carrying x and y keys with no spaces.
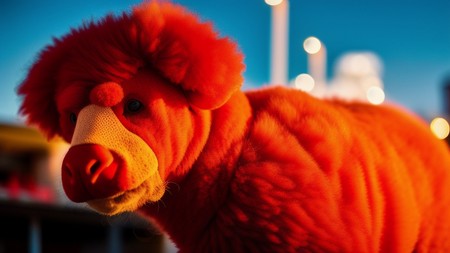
{"x":106,"y":94}
{"x":159,"y":36}
{"x":266,"y":171}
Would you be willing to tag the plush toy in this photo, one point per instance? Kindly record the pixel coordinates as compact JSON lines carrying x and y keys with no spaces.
{"x":151,"y":105}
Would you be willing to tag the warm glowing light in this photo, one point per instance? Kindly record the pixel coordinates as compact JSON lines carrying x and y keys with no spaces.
{"x":312,"y":45}
{"x":375,"y":95}
{"x":273,"y":2}
{"x":440,"y":128}
{"x":304,"y":82}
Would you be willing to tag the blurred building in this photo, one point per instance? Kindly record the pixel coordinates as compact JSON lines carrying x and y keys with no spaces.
{"x":35,"y":215}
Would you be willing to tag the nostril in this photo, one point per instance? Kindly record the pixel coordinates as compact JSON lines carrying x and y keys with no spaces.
{"x":68,"y":174}
{"x":68,"y":171}
{"x":95,"y":170}
{"x":95,"y":166}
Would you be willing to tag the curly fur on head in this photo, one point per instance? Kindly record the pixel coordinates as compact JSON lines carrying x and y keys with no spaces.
{"x":169,"y":39}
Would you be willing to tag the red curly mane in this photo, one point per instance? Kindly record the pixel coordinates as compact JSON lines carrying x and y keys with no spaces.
{"x":155,"y":35}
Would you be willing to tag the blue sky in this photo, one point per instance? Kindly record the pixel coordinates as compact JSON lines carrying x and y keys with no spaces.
{"x":411,"y":37}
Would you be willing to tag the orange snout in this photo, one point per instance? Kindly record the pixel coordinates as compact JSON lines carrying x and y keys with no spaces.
{"x":91,"y":171}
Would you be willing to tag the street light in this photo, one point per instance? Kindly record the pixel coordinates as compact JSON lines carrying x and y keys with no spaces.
{"x":317,"y":64}
{"x":273,"y":2}
{"x":440,"y":128}
{"x":279,"y":40}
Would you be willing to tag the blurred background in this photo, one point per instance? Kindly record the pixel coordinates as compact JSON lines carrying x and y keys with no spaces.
{"x":375,"y":51}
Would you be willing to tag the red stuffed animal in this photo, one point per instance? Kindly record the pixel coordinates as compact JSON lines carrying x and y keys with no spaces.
{"x":150,"y":102}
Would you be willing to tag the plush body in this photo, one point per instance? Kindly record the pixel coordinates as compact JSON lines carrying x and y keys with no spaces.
{"x":284,"y":172}
{"x":151,"y":103}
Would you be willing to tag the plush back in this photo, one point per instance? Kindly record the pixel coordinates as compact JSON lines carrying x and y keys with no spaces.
{"x":160,"y":36}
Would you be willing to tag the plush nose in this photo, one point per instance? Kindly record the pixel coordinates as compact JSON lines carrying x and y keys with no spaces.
{"x":91,"y":171}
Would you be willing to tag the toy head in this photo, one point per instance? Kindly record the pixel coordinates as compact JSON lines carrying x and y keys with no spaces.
{"x":132,"y":94}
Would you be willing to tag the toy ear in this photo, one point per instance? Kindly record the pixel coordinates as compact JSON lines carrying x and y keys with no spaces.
{"x":191,"y":54}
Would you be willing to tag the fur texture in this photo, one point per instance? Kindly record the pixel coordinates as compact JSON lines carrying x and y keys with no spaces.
{"x":273,"y":170}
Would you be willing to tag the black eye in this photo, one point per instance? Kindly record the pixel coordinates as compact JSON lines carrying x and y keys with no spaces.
{"x":73,"y":118}
{"x":134,"y":105}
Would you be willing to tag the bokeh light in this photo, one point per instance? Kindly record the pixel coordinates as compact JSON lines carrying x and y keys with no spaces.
{"x":440,"y":128}
{"x":273,"y":2}
{"x":312,"y":45}
{"x":375,"y":95}
{"x":304,"y":82}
